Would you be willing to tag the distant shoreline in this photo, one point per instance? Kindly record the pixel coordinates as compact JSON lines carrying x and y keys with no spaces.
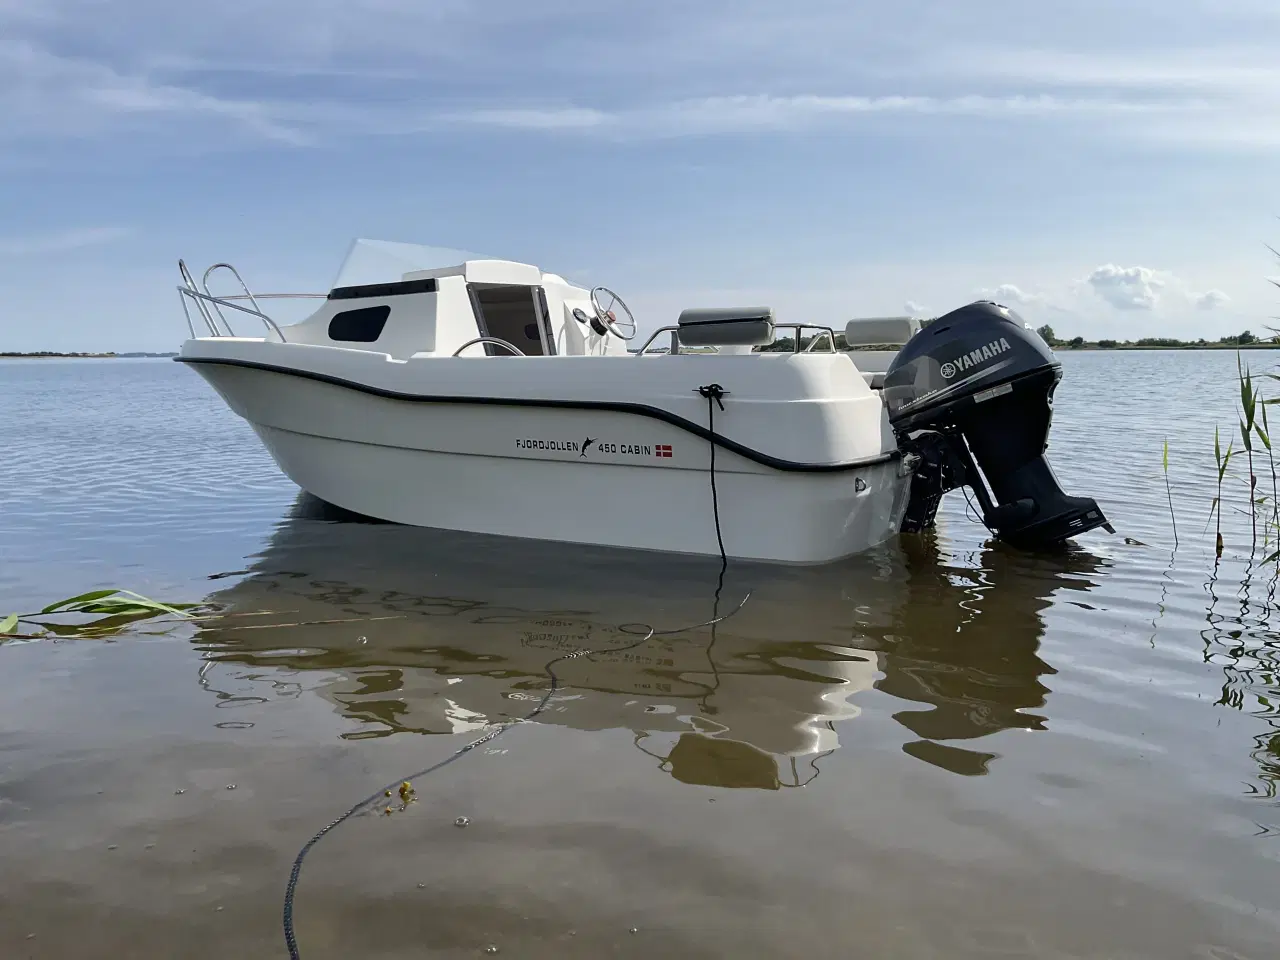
{"x":50,"y":355}
{"x":1063,"y":347}
{"x":1057,"y":347}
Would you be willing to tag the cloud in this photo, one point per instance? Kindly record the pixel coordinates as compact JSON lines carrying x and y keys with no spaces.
{"x":1211,"y":299}
{"x":913,"y":308}
{"x":61,"y":241}
{"x":1127,"y":288}
{"x":292,"y":72}
{"x":1008,"y":293}
{"x":760,"y":113}
{"x":553,"y":118}
{"x":44,"y":95}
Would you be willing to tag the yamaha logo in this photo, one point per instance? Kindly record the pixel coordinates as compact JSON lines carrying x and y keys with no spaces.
{"x":974,"y":358}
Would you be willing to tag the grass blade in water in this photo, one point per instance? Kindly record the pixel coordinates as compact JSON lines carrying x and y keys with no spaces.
{"x":82,"y":598}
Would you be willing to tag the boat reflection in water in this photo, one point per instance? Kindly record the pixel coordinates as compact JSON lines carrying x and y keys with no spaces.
{"x":407,"y":630}
{"x":966,"y":645}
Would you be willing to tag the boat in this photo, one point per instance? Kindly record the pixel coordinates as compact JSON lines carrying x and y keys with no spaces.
{"x":441,"y":389}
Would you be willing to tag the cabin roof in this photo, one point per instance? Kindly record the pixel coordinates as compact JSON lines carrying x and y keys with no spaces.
{"x":483,"y":271}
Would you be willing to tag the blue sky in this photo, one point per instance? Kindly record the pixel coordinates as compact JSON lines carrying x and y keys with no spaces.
{"x":1111,"y":167}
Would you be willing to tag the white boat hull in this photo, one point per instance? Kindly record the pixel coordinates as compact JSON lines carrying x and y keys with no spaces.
{"x":785,"y":518}
{"x":529,"y":472}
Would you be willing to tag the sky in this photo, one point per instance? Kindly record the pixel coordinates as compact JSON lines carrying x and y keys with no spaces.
{"x":1109,"y":167}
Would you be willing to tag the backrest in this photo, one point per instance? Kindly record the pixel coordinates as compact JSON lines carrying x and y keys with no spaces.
{"x":880,"y":331}
{"x":726,"y":327}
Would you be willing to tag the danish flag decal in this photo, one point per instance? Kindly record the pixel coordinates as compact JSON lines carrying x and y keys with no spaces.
{"x":662,"y":450}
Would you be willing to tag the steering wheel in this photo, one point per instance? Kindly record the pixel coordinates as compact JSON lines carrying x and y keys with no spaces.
{"x":607,"y":306}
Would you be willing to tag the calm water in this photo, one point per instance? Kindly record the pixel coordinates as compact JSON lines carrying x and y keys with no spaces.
{"x":939,"y":749}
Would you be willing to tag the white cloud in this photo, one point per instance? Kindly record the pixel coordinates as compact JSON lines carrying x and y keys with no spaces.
{"x":1008,"y":293}
{"x":914,"y":309}
{"x":397,"y":66}
{"x":44,"y":95}
{"x":1211,"y":299}
{"x":61,"y":241}
{"x":1127,"y":288}
{"x":554,"y":118}
{"x":765,"y":113}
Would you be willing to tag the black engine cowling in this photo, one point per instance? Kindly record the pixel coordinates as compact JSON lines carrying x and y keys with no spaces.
{"x":970,"y":396}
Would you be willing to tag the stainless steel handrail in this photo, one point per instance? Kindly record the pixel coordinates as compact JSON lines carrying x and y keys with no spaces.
{"x":675,"y":343}
{"x":204,"y":311}
{"x":795,"y":347}
{"x":202,"y":298}
{"x":502,"y":343}
{"x":276,"y":296}
{"x":831,"y":337}
{"x":204,"y":283}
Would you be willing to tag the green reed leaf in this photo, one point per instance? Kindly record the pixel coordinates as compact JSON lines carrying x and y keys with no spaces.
{"x":117,"y":603}
{"x":92,"y":595}
{"x":9,"y":624}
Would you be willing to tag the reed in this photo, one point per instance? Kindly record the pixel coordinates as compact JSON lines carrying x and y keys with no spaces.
{"x":1248,"y":410}
{"x":111,"y":611}
{"x":1223,"y":460}
{"x":1168,"y":492}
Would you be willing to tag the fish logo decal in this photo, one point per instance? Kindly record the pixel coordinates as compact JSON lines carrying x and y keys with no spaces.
{"x":585,"y":444}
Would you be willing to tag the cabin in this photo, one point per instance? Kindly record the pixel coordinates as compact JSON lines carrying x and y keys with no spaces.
{"x":408,"y":300}
{"x":475,"y":305}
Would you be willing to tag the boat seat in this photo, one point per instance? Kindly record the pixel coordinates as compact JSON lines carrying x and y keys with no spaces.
{"x":726,"y":327}
{"x":880,"y":331}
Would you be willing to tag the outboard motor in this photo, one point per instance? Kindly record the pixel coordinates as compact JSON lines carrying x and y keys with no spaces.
{"x":970,"y":396}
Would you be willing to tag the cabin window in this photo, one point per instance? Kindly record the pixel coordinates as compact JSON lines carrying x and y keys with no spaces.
{"x":514,"y":313}
{"x":359,"y":326}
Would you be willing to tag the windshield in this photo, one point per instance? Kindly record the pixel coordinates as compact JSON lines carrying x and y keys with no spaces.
{"x":387,"y":261}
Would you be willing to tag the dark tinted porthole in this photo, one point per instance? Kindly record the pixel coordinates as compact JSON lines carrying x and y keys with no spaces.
{"x":359,"y":326}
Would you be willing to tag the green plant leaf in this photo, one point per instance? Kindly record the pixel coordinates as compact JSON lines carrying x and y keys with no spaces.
{"x":1262,"y":434}
{"x":84,"y":597}
{"x":9,"y":624}
{"x":1272,"y":558}
{"x":117,"y":603}
{"x":1245,"y":437}
{"x":1246,"y":395}
{"x":175,"y":607}
{"x":124,"y":605}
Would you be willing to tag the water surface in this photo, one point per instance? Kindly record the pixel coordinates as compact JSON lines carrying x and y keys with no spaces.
{"x":941,"y":748}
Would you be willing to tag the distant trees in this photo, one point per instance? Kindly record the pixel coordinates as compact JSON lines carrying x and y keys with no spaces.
{"x":1046,"y":334}
{"x":1106,"y":344}
{"x":1240,"y":338}
{"x":1075,"y":342}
